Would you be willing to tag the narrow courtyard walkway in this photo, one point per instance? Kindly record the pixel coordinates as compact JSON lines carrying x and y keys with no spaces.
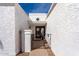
{"x":39,"y":48}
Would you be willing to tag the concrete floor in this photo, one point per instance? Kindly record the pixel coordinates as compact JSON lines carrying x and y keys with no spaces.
{"x":39,"y":48}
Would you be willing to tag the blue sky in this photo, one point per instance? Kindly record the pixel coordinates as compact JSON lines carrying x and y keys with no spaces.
{"x":35,"y":7}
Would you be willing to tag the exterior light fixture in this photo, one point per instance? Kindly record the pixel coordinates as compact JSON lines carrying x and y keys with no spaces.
{"x":37,"y":19}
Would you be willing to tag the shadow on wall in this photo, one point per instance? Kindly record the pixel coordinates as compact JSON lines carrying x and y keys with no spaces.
{"x":1,"y":45}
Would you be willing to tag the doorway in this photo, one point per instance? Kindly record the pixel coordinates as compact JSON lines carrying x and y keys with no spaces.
{"x":40,"y":32}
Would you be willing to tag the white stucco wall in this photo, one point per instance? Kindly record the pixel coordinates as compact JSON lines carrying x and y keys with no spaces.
{"x":21,"y":24}
{"x":41,"y":16}
{"x":63,"y":24}
{"x":12,"y":20}
{"x":7,"y":29}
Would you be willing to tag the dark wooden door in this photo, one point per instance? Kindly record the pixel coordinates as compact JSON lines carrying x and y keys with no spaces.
{"x":38,"y":31}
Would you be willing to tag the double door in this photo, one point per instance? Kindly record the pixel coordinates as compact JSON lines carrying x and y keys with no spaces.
{"x":39,"y":31}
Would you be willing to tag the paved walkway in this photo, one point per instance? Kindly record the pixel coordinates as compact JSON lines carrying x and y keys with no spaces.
{"x":39,"y":48}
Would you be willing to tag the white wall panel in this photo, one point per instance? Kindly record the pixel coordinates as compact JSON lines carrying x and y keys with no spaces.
{"x":63,"y":24}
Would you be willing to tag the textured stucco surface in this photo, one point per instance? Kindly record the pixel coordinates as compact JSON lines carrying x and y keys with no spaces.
{"x":41,"y":16}
{"x":12,"y":20}
{"x":63,"y":24}
{"x":21,"y":24}
{"x":7,"y":30}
